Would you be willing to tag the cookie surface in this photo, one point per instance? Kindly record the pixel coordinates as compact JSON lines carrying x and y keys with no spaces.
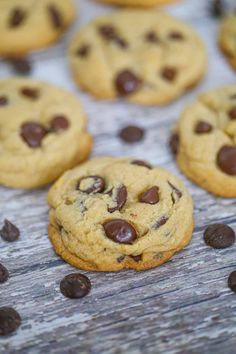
{"x":115,"y":213}
{"x":206,"y":150}
{"x":32,"y":24}
{"x":147,"y":57}
{"x":142,"y":3}
{"x":227,"y":38}
{"x":42,"y":133}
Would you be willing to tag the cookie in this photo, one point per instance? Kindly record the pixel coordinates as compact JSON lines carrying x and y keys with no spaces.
{"x":206,"y":148}
{"x":114,"y":213}
{"x":146,"y":57}
{"x":42,"y":133}
{"x":227,"y":38}
{"x":32,"y":24}
{"x":141,"y":3}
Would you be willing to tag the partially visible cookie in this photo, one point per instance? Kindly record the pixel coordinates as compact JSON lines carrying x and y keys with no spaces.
{"x":32,"y":24}
{"x":142,"y":3}
{"x":146,"y":57}
{"x":42,"y":133}
{"x":115,"y":213}
{"x":205,"y":141}
{"x":227,"y":38}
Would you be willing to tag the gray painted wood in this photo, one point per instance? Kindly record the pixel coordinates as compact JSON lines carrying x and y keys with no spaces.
{"x":183,"y":306}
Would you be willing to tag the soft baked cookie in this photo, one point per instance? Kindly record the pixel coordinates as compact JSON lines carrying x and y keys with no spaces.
{"x":32,"y":24}
{"x":227,"y":38}
{"x":142,"y":3}
{"x":42,"y":133}
{"x":205,"y":141}
{"x":115,"y":213}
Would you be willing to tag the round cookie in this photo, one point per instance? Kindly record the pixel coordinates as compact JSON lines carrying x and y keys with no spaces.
{"x":146,"y":57}
{"x":115,"y":213}
{"x":142,"y":3}
{"x":227,"y":38}
{"x":32,"y":24}
{"x":205,"y":141}
{"x":42,"y":133}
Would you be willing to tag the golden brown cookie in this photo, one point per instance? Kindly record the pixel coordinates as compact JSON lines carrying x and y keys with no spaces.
{"x":227,"y":38}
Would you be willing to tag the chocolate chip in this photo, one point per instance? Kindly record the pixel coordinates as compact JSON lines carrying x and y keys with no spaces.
{"x":232,"y":281}
{"x":9,"y":232}
{"x":226,"y":159}
{"x":232,"y":113}
{"x":33,"y":133}
{"x":120,"y":231}
{"x":131,"y":134}
{"x":3,"y":101}
{"x":30,"y":93}
{"x":75,"y":286}
{"x":109,"y":33}
{"x":160,"y":222}
{"x":176,"y":190}
{"x":120,"y":259}
{"x":217,"y":8}
{"x":83,"y":51}
{"x":55,"y":17}
{"x":219,"y":236}
{"x":233,"y":96}
{"x":91,"y":184}
{"x":120,"y":198}
{"x":137,"y":258}
{"x":126,"y":83}
{"x":10,"y":320}
{"x":59,"y":123}
{"x":176,"y":35}
{"x":203,"y":127}
{"x":142,"y":164}
{"x":4,"y":275}
{"x":16,"y":18}
{"x":152,"y":37}
{"x":174,"y":143}
{"x":20,"y":65}
{"x":169,"y":73}
{"x":151,"y":196}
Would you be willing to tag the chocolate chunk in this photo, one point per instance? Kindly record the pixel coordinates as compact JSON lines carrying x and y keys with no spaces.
{"x":232,"y":281}
{"x":174,"y":143}
{"x":55,"y":17}
{"x":217,"y":8}
{"x":176,"y":35}
{"x":83,"y":51}
{"x":91,"y":184}
{"x":109,"y":33}
{"x":120,"y":259}
{"x":20,"y":65}
{"x":3,"y":101}
{"x":142,"y":164}
{"x":120,"y":231}
{"x":31,"y":93}
{"x":4,"y":275}
{"x":75,"y":286}
{"x":126,"y":83}
{"x":219,"y":236}
{"x":10,"y":320}
{"x":16,"y":18}
{"x":169,"y":73}
{"x":152,"y":37}
{"x":160,"y":222}
{"x":203,"y":127}
{"x":9,"y":232}
{"x":131,"y":134}
{"x":120,"y":198}
{"x":33,"y":133}
{"x":226,"y":159}
{"x":59,"y":123}
{"x":151,"y":196}
{"x":137,"y":258}
{"x":232,"y":113}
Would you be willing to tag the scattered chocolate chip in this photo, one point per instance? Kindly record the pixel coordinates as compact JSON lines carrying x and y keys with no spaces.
{"x":151,"y":196}
{"x":126,"y":83}
{"x":203,"y":128}
{"x":9,"y":232}
{"x":232,"y":113}
{"x":3,"y":101}
{"x":109,"y":33}
{"x":169,"y":73}
{"x":59,"y":123}
{"x":176,"y":35}
{"x":174,"y":143}
{"x":55,"y":17}
{"x":217,"y":8}
{"x":10,"y":320}
{"x":17,"y":16}
{"x":20,"y":65}
{"x":176,"y":190}
{"x":152,"y":37}
{"x":120,"y":259}
{"x":4,"y":275}
{"x":83,"y":51}
{"x":33,"y":133}
{"x":120,"y":231}
{"x":75,"y":286}
{"x":142,"y":164}
{"x":91,"y":184}
{"x":131,"y":134}
{"x":30,"y":93}
{"x":232,"y":281}
{"x":120,"y":199}
{"x":233,"y":97}
{"x":160,"y":222}
{"x":226,"y":159}
{"x":219,"y":236}
{"x":137,"y":258}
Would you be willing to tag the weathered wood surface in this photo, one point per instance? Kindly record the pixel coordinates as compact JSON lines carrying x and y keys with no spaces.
{"x":184,"y":306}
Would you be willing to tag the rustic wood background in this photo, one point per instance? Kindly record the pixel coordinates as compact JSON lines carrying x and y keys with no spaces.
{"x":183,"y":306}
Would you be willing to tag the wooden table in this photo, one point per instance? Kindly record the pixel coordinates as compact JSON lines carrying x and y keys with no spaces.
{"x":183,"y":306}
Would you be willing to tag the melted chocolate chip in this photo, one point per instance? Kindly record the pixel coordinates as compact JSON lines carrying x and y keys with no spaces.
{"x":59,"y":123}
{"x":152,"y":37}
{"x":232,"y":113}
{"x":226,"y":159}
{"x":131,"y":134}
{"x":151,"y":196}
{"x":217,"y":8}
{"x":20,"y":65}
{"x":176,"y":35}
{"x":33,"y":133}
{"x":9,"y":232}
{"x":31,"y":93}
{"x":109,"y":33}
{"x":203,"y":128}
{"x":126,"y":83}
{"x":142,"y":164}
{"x":93,"y":184}
{"x":4,"y":275}
{"x":174,"y":143}
{"x":120,"y":198}
{"x":83,"y":51}
{"x":160,"y":222}
{"x":232,"y":281}
{"x":16,"y":18}
{"x":120,"y":259}
{"x":120,"y":231}
{"x":55,"y":17}
{"x":10,"y":320}
{"x":219,"y":236}
{"x":137,"y":258}
{"x":3,"y":101}
{"x":176,"y":191}
{"x":75,"y":286}
{"x":169,"y":73}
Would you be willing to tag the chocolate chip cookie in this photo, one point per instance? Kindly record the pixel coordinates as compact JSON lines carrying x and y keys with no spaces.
{"x":227,"y":38}
{"x":206,"y":141}
{"x":42,"y":133}
{"x":115,"y":213}
{"x":141,"y":3}
{"x":145,"y":57}
{"x":32,"y":24}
